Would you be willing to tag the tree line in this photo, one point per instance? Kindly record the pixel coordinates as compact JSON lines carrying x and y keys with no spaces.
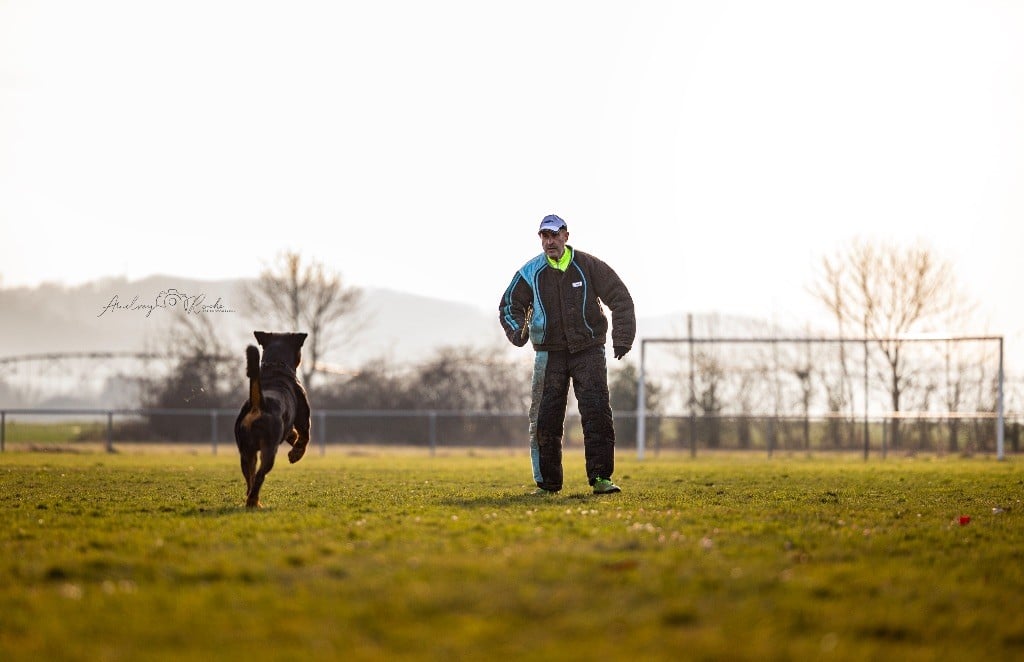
{"x":873,"y":290}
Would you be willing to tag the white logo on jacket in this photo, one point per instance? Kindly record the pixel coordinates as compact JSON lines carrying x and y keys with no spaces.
{"x":578,"y":283}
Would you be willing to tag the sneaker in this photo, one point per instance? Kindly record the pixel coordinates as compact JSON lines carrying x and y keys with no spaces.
{"x":540,"y":491}
{"x":605,"y":486}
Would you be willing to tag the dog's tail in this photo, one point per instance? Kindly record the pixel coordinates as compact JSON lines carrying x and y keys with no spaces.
{"x":252,"y":371}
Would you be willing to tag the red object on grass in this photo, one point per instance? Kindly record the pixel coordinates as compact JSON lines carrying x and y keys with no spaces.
{"x":965,"y":519}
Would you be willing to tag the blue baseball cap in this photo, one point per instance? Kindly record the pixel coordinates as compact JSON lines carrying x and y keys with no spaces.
{"x":552,"y":223}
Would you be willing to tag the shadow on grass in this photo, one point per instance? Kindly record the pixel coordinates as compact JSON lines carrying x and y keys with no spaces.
{"x":224,"y":511}
{"x":525,"y":499}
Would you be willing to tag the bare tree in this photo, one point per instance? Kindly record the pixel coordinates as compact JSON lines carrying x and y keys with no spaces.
{"x":195,"y":335}
{"x":709,"y":397}
{"x":294,"y":296}
{"x":624,"y":395}
{"x":889,"y":292}
{"x":839,"y":387}
{"x":203,"y":375}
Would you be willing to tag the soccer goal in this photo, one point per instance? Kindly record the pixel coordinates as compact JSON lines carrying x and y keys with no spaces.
{"x":907,"y":394}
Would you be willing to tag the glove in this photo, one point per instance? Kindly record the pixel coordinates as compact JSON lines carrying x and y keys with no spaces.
{"x":620,"y":351}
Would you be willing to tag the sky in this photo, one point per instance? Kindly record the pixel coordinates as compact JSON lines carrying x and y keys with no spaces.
{"x":711,"y":152}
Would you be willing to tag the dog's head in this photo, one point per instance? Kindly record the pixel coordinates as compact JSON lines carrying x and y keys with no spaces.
{"x":281,"y":347}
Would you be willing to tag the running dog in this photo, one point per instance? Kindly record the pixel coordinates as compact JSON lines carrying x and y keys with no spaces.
{"x":277,"y":409}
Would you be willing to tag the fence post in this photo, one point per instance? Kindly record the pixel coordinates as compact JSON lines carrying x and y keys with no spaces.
{"x":213,"y":429}
{"x":641,"y":408}
{"x":433,"y":432}
{"x":110,"y":431}
{"x":3,"y":430}
{"x":693,"y":387}
{"x":322,"y":419}
{"x":1000,"y":418}
{"x":867,"y":393}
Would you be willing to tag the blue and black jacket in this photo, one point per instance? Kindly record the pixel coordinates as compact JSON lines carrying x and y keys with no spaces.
{"x":559,"y":311}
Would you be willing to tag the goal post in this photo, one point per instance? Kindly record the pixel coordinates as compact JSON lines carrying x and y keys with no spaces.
{"x":873,"y":366}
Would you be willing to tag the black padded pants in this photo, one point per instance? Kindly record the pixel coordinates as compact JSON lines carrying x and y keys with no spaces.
{"x":588,"y":372}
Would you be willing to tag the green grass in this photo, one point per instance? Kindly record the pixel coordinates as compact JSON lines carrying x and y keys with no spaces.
{"x":16,"y":432}
{"x":403,"y":556}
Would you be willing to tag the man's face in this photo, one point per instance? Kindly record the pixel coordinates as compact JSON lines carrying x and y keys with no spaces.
{"x":553,"y":243}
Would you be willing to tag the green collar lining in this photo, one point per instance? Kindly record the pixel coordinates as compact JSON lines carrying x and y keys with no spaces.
{"x":563,"y":263}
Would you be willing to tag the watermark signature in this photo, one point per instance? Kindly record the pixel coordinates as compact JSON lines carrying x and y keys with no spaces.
{"x":172,"y":298}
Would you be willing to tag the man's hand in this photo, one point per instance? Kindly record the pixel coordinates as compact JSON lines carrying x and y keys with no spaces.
{"x":620,"y":351}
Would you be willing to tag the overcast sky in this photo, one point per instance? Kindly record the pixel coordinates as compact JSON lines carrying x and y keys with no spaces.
{"x":712,"y":152}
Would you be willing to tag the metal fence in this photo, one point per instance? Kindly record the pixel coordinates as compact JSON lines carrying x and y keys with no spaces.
{"x":49,"y":429}
{"x":942,"y":377}
{"x":113,"y":429}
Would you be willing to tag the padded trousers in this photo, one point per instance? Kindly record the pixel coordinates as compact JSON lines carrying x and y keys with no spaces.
{"x":552,"y":373}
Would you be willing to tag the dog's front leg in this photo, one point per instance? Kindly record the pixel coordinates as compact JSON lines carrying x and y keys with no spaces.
{"x":301,"y":429}
{"x":299,"y":445}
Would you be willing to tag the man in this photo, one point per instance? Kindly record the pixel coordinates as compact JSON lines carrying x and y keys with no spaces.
{"x":555,"y":301}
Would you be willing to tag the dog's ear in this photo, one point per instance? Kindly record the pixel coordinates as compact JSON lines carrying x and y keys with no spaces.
{"x":299,"y":338}
{"x":261,"y":337}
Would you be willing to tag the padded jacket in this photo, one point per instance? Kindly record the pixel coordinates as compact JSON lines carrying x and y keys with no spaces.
{"x":559,"y":311}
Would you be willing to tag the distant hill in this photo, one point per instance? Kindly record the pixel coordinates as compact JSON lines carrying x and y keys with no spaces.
{"x":395,"y":326}
{"x":120,"y":315}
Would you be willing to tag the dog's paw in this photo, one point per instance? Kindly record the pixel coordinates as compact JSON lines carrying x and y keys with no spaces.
{"x":296,"y":453}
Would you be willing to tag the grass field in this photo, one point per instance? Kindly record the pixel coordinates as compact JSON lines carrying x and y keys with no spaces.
{"x":405,"y":556}
{"x":16,"y":432}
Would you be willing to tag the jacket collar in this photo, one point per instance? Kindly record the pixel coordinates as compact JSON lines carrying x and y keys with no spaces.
{"x":562,"y":263}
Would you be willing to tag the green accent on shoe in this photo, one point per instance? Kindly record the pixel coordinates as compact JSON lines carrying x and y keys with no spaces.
{"x":605,"y":486}
{"x":540,"y":491}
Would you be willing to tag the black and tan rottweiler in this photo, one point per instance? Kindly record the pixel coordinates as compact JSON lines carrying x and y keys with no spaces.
{"x":277,"y":409}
